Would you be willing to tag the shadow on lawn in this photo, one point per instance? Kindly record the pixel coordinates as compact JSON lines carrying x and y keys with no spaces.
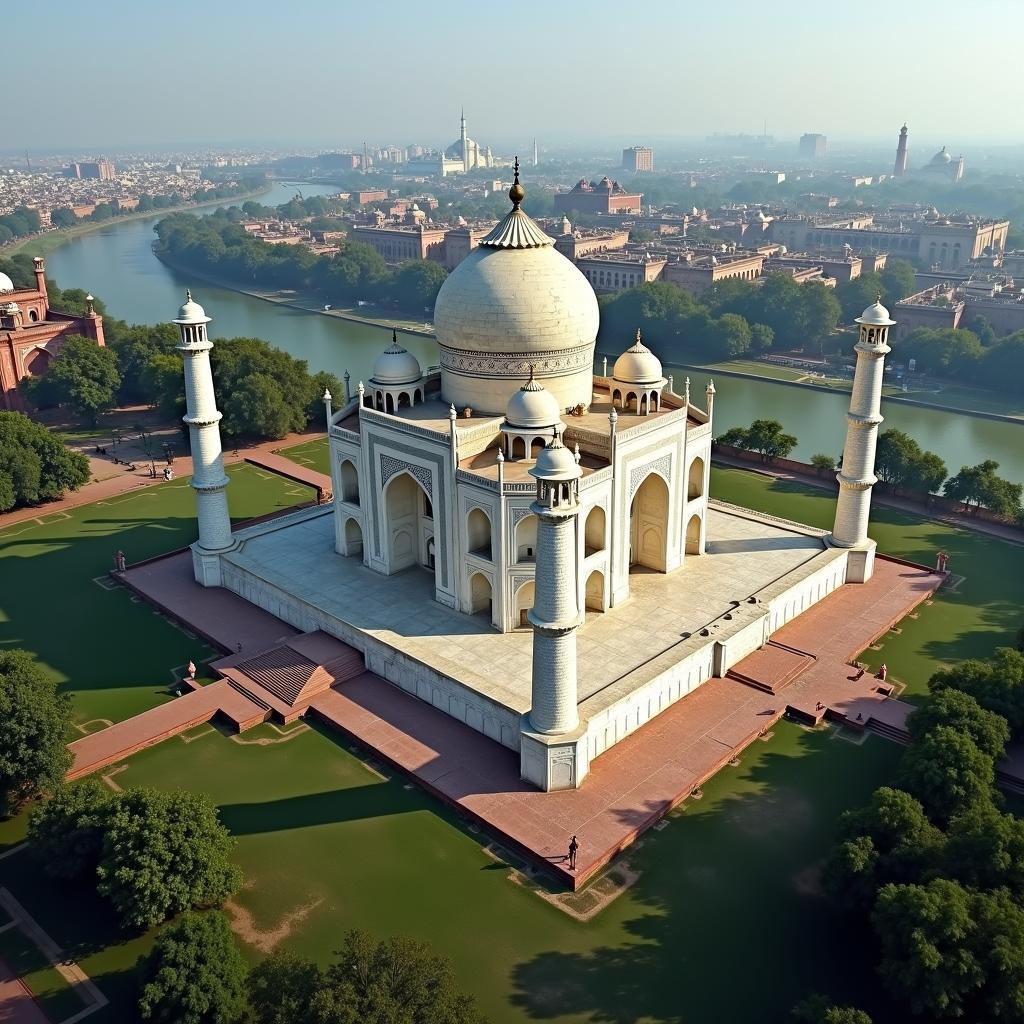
{"x":732,"y":925}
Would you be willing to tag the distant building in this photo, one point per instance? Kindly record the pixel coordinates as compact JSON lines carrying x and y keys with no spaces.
{"x":370,"y":195}
{"x":935,"y":308}
{"x":616,"y":271}
{"x":102,"y":169}
{"x":944,"y":165}
{"x":696,"y":273}
{"x":400,"y":242}
{"x":32,"y":334}
{"x":638,"y":158}
{"x":813,"y":146}
{"x":604,"y":196}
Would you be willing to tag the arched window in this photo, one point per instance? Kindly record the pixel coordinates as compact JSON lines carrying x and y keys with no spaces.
{"x":695,"y":480}
{"x":594,"y":530}
{"x":526,"y":539}
{"x":693,"y":535}
{"x":478,"y":528}
{"x":349,"y":483}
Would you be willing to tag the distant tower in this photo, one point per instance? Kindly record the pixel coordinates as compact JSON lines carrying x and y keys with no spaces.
{"x":900,"y":167}
{"x":536,"y":159}
{"x":462,"y":136}
{"x":208,"y":477}
{"x":857,"y":475}
{"x":555,"y":617}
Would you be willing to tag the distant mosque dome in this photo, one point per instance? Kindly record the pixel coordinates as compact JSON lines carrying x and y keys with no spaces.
{"x":6,"y":284}
{"x":638,"y":365}
{"x":533,"y":406}
{"x":942,"y":157}
{"x":395,"y":365}
{"x":512,"y":303}
{"x":191,"y":312}
{"x":876,"y":315}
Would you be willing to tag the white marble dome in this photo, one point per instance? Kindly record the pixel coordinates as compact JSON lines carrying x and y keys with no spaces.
{"x":191,"y":312}
{"x":876,"y":315}
{"x":395,"y":365}
{"x":533,"y":407}
{"x":512,"y":303}
{"x":638,"y":365}
{"x":6,"y":284}
{"x":555,"y":462}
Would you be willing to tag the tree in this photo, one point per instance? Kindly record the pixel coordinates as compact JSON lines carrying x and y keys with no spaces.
{"x":945,"y":352}
{"x":195,"y":974}
{"x":67,"y":829}
{"x":319,"y":383}
{"x":416,"y":285}
{"x":35,"y":466}
{"x":135,"y":348}
{"x":980,"y":486}
{"x":63,"y":217}
{"x":823,"y":463}
{"x":889,"y":840}
{"x":258,"y":408}
{"x":397,"y":981}
{"x":926,"y":933}
{"x":996,"y":683}
{"x":164,"y":853}
{"x":282,"y":989}
{"x":817,"y":1009}
{"x":898,"y":280}
{"x":985,"y":850}
{"x":34,"y":724}
{"x":83,"y":376}
{"x":947,"y":772}
{"x":765,"y":437}
{"x":960,"y":711}
{"x":901,"y":463}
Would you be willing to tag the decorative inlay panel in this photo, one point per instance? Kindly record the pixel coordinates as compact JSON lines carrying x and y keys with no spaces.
{"x":517,"y":364}
{"x":662,"y":466}
{"x":390,"y":467}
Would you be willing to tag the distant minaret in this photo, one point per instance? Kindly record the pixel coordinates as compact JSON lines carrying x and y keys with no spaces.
{"x":462,"y":136}
{"x":536,"y":160}
{"x":203,"y":420}
{"x":555,"y":614}
{"x":900,"y":167}
{"x":857,"y":475}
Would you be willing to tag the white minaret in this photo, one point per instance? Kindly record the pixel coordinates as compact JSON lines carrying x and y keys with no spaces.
{"x":208,"y":476}
{"x":555,"y":615}
{"x":462,"y":136}
{"x":857,"y":476}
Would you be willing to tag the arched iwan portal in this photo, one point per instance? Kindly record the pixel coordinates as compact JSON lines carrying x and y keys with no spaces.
{"x":480,"y":595}
{"x":524,"y":602}
{"x":693,"y":535}
{"x":695,"y":479}
{"x":648,"y":525}
{"x":409,"y":525}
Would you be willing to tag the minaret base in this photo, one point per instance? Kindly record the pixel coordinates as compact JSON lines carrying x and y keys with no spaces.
{"x":206,"y":565}
{"x":860,"y":562}
{"x":552,"y":762}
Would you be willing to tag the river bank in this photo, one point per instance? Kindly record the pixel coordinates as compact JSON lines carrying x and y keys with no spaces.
{"x":44,"y":244}
{"x":717,"y":369}
{"x":294,"y":300}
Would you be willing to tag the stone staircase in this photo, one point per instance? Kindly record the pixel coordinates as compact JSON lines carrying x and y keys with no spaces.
{"x":772,"y":667}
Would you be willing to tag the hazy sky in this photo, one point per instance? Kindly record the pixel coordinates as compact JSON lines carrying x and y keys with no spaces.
{"x":138,"y":72}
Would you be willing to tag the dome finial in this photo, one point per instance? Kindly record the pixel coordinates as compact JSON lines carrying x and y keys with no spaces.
{"x":188,"y":294}
{"x":639,"y":339}
{"x":516,"y":193}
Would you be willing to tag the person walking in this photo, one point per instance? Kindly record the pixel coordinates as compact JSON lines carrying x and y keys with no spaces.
{"x":191,"y":669}
{"x":573,"y":847}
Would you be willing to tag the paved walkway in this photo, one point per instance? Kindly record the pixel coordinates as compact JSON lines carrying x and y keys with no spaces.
{"x":963,"y":522}
{"x":16,"y":1003}
{"x":126,"y":480}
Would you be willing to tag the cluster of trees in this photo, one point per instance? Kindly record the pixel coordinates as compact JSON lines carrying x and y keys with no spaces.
{"x":195,"y":974}
{"x":217,"y":245}
{"x":736,"y":318}
{"x":22,"y":222}
{"x":979,"y":486}
{"x":35,"y":466}
{"x":933,"y":865}
{"x":968,"y":355}
{"x":766,"y":437}
{"x":901,"y":463}
{"x":151,"y":854}
{"x":83,"y":377}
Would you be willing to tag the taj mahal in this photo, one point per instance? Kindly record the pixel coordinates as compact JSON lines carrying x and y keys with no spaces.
{"x":527,"y":546}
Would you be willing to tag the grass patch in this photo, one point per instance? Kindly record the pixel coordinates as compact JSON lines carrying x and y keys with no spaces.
{"x":55,"y":996}
{"x":313,"y":454}
{"x":112,"y":652}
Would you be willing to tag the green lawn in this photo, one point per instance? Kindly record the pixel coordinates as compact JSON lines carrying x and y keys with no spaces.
{"x":983,"y":612}
{"x":112,"y":652}
{"x":724,"y":923}
{"x":54,"y":995}
{"x":315,"y":454}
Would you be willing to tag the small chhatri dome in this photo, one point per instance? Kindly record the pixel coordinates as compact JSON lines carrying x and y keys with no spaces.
{"x":555,"y":462}
{"x":6,"y":284}
{"x":395,"y":365}
{"x":191,"y":312}
{"x":533,"y":406}
{"x":638,"y":365}
{"x":876,"y":315}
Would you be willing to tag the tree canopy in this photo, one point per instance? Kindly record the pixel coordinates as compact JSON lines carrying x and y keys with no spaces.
{"x":766,"y":437}
{"x":980,"y":486}
{"x":996,"y":683}
{"x":960,"y":711}
{"x":901,"y":463}
{"x":35,"y":466}
{"x":84,"y":376}
{"x":396,"y":981}
{"x":34,"y":724}
{"x":195,"y":974}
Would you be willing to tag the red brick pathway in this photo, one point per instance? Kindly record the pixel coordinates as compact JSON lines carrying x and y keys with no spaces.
{"x":16,"y":1003}
{"x":320,"y":482}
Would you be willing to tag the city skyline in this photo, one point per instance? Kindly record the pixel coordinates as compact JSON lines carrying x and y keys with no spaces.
{"x":328,"y":87}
